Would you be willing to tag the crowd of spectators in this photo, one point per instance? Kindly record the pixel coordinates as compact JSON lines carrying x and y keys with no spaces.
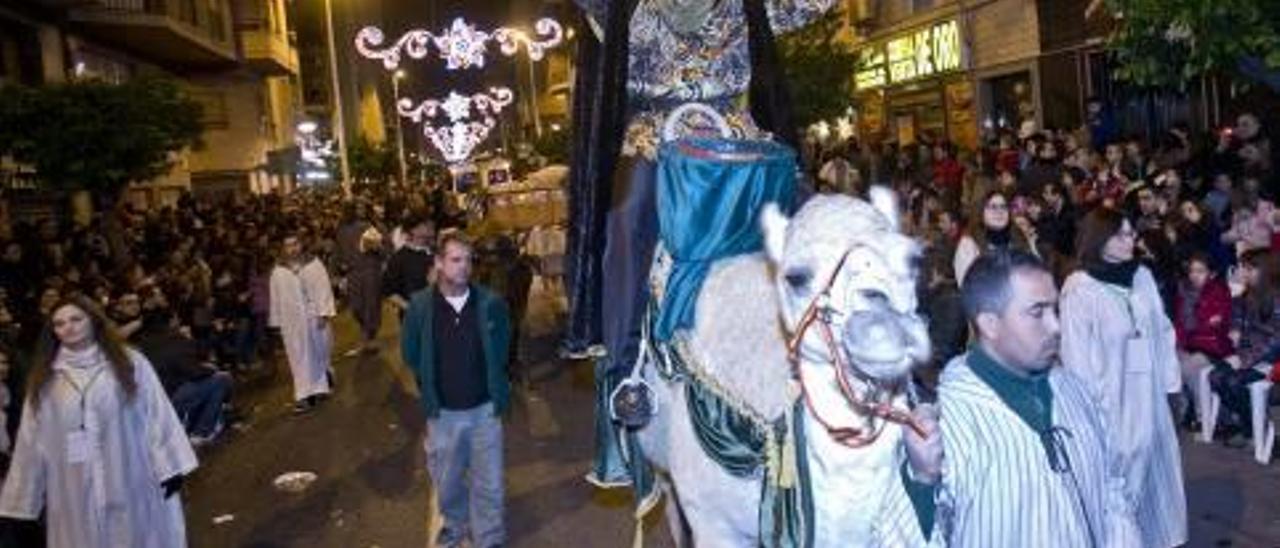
{"x":1202,"y":208}
{"x":188,"y":284}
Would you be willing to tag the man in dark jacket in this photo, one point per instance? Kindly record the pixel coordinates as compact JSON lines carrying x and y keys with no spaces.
{"x":197,"y":389}
{"x":455,"y":339}
{"x":1057,"y":224}
{"x":407,"y":269}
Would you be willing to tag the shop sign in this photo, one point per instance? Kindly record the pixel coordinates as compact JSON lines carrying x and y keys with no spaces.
{"x":919,"y":54}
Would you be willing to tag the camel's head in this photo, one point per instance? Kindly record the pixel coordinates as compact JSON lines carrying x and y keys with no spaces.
{"x":848,"y":258}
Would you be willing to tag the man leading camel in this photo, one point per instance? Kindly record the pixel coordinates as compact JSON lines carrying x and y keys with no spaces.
{"x":1017,"y":456}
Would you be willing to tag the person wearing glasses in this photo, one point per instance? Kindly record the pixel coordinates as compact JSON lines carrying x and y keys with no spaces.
{"x":1117,"y":337}
{"x":991,"y":229}
{"x":1015,"y":452}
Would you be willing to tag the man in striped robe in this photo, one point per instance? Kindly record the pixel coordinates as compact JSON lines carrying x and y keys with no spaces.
{"x":1016,"y":457}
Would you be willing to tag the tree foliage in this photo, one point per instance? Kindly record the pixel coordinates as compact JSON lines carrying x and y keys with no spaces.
{"x":819,"y":69}
{"x":372,"y":162}
{"x":554,"y":146}
{"x":96,"y":136}
{"x":1171,"y":43}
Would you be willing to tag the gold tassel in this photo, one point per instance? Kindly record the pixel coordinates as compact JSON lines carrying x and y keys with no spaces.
{"x":787,"y":478}
{"x":773,"y":460}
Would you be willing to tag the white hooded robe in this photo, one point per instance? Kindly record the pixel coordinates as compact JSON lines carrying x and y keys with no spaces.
{"x":110,"y":495}
{"x":300,"y":303}
{"x":1121,"y":342}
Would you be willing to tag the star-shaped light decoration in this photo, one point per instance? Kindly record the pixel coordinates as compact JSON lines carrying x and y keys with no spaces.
{"x":457,"y":107}
{"x":844,"y":128}
{"x":462,"y":45}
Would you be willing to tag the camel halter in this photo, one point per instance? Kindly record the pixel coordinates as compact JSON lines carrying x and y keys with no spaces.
{"x":867,"y":405}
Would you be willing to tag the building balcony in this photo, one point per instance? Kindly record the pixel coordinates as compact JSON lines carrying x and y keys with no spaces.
{"x":267,"y":52}
{"x":179,"y":34}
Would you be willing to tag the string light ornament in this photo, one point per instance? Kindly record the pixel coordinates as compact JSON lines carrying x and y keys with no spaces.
{"x":457,"y":139}
{"x":457,"y":107}
{"x":462,"y":45}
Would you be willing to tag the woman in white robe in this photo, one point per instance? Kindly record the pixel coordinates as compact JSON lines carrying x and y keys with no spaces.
{"x":1117,"y":337}
{"x":302,"y":306}
{"x":100,"y":448}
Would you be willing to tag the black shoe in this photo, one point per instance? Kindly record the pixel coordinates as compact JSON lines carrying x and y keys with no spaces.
{"x":304,"y":405}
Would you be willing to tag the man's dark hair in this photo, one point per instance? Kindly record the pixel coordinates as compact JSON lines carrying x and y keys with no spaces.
{"x":456,"y":237}
{"x":417,"y":219}
{"x":987,"y":285}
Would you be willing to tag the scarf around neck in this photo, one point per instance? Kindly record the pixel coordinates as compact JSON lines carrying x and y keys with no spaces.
{"x":999,"y":238}
{"x":1029,"y":396}
{"x":78,"y":359}
{"x":1120,"y":274}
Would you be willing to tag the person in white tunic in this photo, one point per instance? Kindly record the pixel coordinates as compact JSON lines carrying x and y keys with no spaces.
{"x":302,"y":307}
{"x":1117,"y":337}
{"x":100,"y":448}
{"x":1016,"y":457}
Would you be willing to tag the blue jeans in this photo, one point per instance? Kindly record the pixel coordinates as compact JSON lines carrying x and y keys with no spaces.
{"x":199,"y":403}
{"x":464,"y":459}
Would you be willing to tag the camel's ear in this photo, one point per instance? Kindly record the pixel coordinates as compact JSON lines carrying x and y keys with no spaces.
{"x":886,"y":202}
{"x":774,"y":226}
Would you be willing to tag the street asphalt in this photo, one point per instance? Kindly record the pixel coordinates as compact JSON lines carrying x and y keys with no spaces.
{"x":365,"y":447}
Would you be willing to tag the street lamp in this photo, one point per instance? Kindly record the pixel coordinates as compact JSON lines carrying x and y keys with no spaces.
{"x":395,"y":92}
{"x":533,"y":96}
{"x":339,"y":127}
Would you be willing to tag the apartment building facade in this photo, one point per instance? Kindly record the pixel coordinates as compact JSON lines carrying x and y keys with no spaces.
{"x":236,"y":57}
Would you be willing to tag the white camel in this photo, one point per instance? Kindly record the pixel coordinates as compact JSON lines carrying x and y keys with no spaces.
{"x":841,"y":275}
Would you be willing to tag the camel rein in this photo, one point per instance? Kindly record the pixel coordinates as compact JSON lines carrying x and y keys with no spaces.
{"x":849,"y":436}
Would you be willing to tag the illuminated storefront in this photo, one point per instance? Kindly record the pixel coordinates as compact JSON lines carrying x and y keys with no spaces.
{"x":914,"y":85}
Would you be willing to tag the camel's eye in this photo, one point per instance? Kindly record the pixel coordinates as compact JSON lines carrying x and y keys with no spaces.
{"x":874,"y":296}
{"x":798,"y":278}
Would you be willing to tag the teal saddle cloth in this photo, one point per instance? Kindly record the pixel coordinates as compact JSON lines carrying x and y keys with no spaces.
{"x":710,"y":194}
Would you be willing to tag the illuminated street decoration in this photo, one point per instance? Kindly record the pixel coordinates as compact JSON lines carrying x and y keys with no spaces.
{"x":457,"y":139}
{"x":314,"y":153}
{"x":844,"y":128}
{"x":462,"y":45}
{"x":457,"y":107}
{"x":510,"y":39}
{"x":933,"y":50}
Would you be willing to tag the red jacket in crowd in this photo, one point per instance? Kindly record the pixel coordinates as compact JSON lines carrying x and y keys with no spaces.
{"x":948,"y":174}
{"x":1211,"y":334}
{"x":1007,"y":159}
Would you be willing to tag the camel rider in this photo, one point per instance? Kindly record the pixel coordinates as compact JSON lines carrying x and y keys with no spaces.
{"x":650,"y":56}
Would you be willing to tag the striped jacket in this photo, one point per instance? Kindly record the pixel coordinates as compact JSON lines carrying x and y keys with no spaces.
{"x":998,"y":488}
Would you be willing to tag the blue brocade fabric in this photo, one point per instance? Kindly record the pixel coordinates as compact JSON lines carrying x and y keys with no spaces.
{"x":710,"y":194}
